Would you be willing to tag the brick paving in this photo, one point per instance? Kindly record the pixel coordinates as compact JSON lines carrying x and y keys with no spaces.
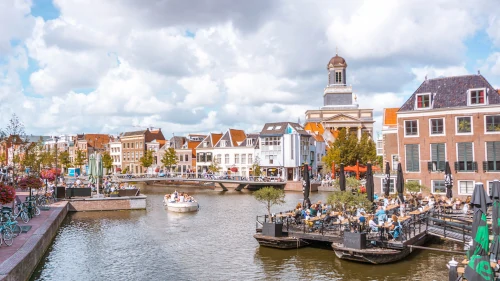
{"x":37,"y":223}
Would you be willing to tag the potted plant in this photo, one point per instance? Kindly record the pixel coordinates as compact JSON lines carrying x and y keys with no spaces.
{"x":7,"y":193}
{"x":270,"y":196}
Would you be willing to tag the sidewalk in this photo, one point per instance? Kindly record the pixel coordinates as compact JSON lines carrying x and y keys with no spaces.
{"x":36,"y":240}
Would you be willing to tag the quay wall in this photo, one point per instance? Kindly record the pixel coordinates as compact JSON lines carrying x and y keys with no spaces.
{"x":297,"y":186}
{"x":107,"y":204}
{"x":22,"y":263}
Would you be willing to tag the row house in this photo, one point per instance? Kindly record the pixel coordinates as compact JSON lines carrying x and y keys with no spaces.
{"x":115,"y":151}
{"x":87,"y":144}
{"x":62,"y":143}
{"x":185,"y":150}
{"x":134,"y":147}
{"x":205,"y":152}
{"x":455,"y":120}
{"x":284,"y":147}
{"x":317,"y":145}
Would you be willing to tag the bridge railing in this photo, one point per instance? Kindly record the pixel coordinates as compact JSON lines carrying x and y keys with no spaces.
{"x":452,"y":227}
{"x":197,"y":176}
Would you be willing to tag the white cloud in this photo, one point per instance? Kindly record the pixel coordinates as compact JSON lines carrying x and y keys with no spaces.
{"x":432,"y":72}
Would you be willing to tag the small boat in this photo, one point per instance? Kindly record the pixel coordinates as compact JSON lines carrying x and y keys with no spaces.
{"x":373,"y":255}
{"x":284,"y":242}
{"x":181,"y":207}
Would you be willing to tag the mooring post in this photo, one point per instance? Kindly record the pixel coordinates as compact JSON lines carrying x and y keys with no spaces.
{"x":452,"y":270}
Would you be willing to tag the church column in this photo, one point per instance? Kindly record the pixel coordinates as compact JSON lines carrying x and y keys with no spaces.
{"x":359,"y":132}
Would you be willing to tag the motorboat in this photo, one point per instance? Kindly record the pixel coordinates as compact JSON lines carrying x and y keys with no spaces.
{"x":180,"y":206}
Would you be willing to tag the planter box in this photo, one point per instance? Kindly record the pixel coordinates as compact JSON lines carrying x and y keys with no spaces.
{"x":114,"y":195}
{"x":272,"y":229}
{"x":128,"y":192}
{"x":60,"y":192}
{"x":83,"y":192}
{"x":355,"y":240}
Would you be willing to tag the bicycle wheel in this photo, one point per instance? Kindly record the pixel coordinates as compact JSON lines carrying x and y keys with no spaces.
{"x":37,"y":211}
{"x":7,"y":236}
{"x":24,"y":216}
{"x":16,"y":229}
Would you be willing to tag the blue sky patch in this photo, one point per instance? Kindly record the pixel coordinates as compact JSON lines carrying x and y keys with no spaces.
{"x":45,"y":9}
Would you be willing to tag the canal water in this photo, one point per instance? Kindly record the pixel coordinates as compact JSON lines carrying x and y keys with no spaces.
{"x":215,"y":243}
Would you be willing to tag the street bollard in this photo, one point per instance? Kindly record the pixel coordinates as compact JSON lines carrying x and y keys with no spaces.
{"x":452,"y":273}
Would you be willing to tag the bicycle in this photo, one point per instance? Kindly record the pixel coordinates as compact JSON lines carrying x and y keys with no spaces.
{"x":6,"y":235}
{"x":11,"y":224}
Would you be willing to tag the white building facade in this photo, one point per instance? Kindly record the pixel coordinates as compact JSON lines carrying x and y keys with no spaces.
{"x":115,"y":151}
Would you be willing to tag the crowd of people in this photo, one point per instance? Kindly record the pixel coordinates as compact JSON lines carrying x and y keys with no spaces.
{"x":178,"y":197}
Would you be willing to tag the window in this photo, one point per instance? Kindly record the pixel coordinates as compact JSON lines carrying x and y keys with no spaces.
{"x":250,"y":159}
{"x":271,"y":158}
{"x":465,"y":157}
{"x":270,"y":128}
{"x":243,"y":158}
{"x":186,"y":157}
{"x":128,"y":145}
{"x":226,"y":158}
{"x":493,"y":123}
{"x":222,"y":143}
{"x":277,"y":127}
{"x":236,"y":159}
{"x":395,"y":160}
{"x":123,"y":145}
{"x":438,"y":186}
{"x":201,"y":157}
{"x":464,"y":125}
{"x":249,"y":142}
{"x":465,"y":187}
{"x":423,"y":101}
{"x":209,"y":157}
{"x":437,"y":157}
{"x":492,"y":162}
{"x":412,"y":158}
{"x":391,"y":186}
{"x":411,"y":128}
{"x":476,"y":97}
{"x":338,"y":77}
{"x":437,"y":126}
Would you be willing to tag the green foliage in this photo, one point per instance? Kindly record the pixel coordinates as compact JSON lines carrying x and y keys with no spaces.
{"x":464,"y":126}
{"x":352,"y":183}
{"x":256,"y":170}
{"x":214,"y":167}
{"x":63,"y":158}
{"x":147,"y":159}
{"x":79,"y":158}
{"x":32,"y":156}
{"x":46,"y":158}
{"x":270,"y":196}
{"x":380,"y":161}
{"x":347,"y":149}
{"x":414,"y":187}
{"x":345,"y":201}
{"x":169,"y":159}
{"x":107,"y":161}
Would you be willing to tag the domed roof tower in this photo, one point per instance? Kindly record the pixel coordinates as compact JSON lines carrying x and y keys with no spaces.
{"x":337,"y":93}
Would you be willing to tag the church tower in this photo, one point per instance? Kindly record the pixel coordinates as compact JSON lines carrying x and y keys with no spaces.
{"x":337,"y":93}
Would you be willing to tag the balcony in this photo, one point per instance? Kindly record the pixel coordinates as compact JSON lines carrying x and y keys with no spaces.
{"x":436,"y":166}
{"x":491,"y":166}
{"x":466,"y":166}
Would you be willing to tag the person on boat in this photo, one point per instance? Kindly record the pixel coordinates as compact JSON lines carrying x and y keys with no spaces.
{"x":312,"y":210}
{"x":386,"y":201}
{"x":181,"y":197}
{"x":395,"y":223}
{"x":380,"y":214}
{"x":372,"y":224}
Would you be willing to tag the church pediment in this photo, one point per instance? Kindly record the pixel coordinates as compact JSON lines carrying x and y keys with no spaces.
{"x":341,"y":117}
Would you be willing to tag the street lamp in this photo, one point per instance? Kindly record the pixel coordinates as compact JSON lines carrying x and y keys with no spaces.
{"x":56,"y":138}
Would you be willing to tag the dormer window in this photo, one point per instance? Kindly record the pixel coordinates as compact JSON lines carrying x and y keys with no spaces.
{"x":205,"y":144}
{"x":222,"y":143}
{"x":270,"y":128}
{"x":477,"y":97}
{"x":277,"y":127}
{"x":249,"y":142}
{"x":423,"y":101}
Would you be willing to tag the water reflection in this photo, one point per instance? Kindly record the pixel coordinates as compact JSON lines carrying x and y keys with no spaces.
{"x":214,"y":243}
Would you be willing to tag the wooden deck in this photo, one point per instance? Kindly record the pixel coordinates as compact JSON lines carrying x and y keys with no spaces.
{"x":448,"y":234}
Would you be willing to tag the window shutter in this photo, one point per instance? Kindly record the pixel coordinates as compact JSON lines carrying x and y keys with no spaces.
{"x":456,"y":167}
{"x":434,"y":151}
{"x":485,"y":166}
{"x":416,"y":160}
{"x":464,"y":151}
{"x":441,"y":165}
{"x":493,"y":150}
{"x":468,"y":151}
{"x":474,"y":166}
{"x":461,"y":151}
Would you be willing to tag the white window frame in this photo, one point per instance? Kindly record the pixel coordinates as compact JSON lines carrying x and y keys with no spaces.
{"x":471,"y":125}
{"x":432,"y":188}
{"x":418,"y":129}
{"x":473,"y":184}
{"x":223,"y":143}
{"x":477,"y":104}
{"x":382,"y":185}
{"x":485,"y":131}
{"x":430,"y":127}
{"x":473,"y":156}
{"x":416,"y":101}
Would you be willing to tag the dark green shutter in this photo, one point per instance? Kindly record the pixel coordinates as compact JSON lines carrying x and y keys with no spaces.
{"x":438,"y":155}
{"x":493,"y":153}
{"x":465,"y":153}
{"x":412,"y":159}
{"x":485,"y":166}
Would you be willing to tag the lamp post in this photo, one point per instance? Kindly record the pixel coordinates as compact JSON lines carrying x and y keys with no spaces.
{"x":56,"y":138}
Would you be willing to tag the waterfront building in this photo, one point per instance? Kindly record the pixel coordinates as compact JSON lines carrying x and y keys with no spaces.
{"x":115,"y":151}
{"x":284,"y":147}
{"x":134,"y":146}
{"x":390,"y":151}
{"x":88,"y":144}
{"x":317,"y":145}
{"x":62,"y":141}
{"x":236,"y":151}
{"x":204,"y":152}
{"x":340,"y":108}
{"x":454,"y":119}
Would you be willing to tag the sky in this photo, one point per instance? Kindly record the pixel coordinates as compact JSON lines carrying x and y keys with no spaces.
{"x":93,"y":66}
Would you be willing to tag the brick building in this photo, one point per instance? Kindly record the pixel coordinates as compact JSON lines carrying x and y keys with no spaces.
{"x":134,"y":147}
{"x":455,"y":120}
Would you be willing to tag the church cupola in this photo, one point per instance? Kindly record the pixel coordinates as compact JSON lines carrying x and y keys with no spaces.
{"x":337,"y":70}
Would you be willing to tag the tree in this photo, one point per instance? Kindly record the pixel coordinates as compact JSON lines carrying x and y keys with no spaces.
{"x":79,"y":158}
{"x":352,"y":183}
{"x":343,"y":201}
{"x":16,"y":138}
{"x":256,"y":170}
{"x":46,"y":158}
{"x":107,"y":161}
{"x":270,"y":196}
{"x":214,"y":167}
{"x":414,"y":187}
{"x":32,"y":156}
{"x":64,"y":159}
{"x":169,"y":159}
{"x":367,"y":149}
{"x":147,"y":159}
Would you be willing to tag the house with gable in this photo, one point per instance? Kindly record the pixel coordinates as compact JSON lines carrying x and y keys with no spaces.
{"x":235,"y":152}
{"x":205,"y":152}
{"x":284,"y":147}
{"x":455,"y":120}
{"x":317,"y":146}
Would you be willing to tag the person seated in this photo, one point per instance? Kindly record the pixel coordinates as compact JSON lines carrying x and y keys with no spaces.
{"x":395,"y":231}
{"x":312,"y":210}
{"x":362,"y":218}
{"x":372,"y":224}
{"x":386,"y":202}
{"x":375,"y":197}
